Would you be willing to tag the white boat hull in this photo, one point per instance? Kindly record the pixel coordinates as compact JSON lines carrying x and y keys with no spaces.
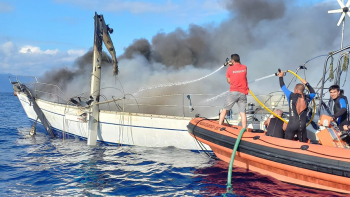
{"x":116,"y":127}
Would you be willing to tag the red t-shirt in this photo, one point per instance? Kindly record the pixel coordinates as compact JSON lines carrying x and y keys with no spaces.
{"x":238,"y":78}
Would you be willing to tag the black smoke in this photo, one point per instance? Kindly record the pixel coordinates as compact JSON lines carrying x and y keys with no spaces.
{"x":139,"y":47}
{"x":267,"y":34}
{"x":252,"y":25}
{"x":81,"y":67}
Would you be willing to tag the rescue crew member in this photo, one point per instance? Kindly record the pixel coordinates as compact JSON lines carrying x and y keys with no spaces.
{"x":345,"y":129}
{"x":341,"y":106}
{"x":236,"y":75}
{"x":298,"y":103}
{"x":275,"y":126}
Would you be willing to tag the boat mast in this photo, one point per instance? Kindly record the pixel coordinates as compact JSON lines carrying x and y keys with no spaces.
{"x":95,"y":81}
{"x":339,"y":72}
{"x":101,"y":34}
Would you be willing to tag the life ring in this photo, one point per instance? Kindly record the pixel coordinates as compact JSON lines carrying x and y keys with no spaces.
{"x":314,"y":108}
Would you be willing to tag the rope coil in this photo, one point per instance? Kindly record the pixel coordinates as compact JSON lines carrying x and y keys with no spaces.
{"x":331,"y":72}
{"x":346,"y":62}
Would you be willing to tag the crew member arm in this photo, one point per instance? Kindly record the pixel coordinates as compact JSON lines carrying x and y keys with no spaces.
{"x":267,"y":122}
{"x":247,"y":80}
{"x":228,"y":77}
{"x":342,"y":108}
{"x":311,"y":90}
{"x":284,"y":88}
{"x":284,"y":126}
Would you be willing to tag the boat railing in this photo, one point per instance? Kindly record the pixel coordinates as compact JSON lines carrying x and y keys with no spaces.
{"x":16,"y":79}
{"x":338,"y":72}
{"x":57,"y":95}
{"x":34,"y":83}
{"x":56,"y":91}
{"x":187,"y":103}
{"x":323,"y":79}
{"x":25,"y":76}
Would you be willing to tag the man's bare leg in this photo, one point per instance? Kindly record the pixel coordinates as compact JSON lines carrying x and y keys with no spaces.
{"x":222,"y":116}
{"x":243,"y":119}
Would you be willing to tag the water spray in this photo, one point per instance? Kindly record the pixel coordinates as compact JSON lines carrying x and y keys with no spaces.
{"x":175,"y":83}
{"x":180,"y":83}
{"x":226,"y":92}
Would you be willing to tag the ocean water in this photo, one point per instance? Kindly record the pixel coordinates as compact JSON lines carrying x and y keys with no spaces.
{"x":40,"y":166}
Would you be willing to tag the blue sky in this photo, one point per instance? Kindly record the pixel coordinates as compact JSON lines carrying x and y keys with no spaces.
{"x":58,"y":31}
{"x":64,"y":25}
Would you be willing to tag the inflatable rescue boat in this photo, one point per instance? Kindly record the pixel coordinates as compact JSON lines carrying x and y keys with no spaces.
{"x":325,"y":165}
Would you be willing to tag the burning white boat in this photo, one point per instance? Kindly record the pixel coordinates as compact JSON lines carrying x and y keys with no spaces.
{"x":83,"y":118}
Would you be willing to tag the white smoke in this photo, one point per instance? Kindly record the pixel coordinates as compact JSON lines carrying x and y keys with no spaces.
{"x":267,"y":34}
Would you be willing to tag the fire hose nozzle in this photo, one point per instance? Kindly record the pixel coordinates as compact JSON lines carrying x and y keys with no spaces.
{"x":279,"y":70}
{"x":227,"y":62}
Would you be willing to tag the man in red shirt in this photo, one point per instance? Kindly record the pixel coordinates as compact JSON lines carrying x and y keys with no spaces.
{"x":237,"y":78}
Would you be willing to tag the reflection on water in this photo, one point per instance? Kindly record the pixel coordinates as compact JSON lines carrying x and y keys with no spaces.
{"x":39,"y":166}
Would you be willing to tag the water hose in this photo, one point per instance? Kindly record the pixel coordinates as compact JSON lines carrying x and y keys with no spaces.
{"x":262,"y":104}
{"x":229,"y":188}
{"x":313,"y":101}
{"x":229,"y":175}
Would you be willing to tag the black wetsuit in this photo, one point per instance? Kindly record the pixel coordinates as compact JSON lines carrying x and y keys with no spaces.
{"x":275,"y":128}
{"x":341,"y":110}
{"x":297,"y":122}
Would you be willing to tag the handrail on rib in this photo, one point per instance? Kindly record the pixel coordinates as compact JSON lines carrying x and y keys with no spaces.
{"x":324,"y":74}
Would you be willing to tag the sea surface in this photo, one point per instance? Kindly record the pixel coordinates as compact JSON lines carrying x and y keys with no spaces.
{"x":40,"y":166}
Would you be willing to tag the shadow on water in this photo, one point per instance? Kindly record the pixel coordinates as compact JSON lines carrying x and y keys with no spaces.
{"x":247,"y":183}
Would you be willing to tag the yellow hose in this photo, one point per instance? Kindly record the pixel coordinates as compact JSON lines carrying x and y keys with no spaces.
{"x":313,"y":101}
{"x":314,"y":108}
{"x":266,"y":107}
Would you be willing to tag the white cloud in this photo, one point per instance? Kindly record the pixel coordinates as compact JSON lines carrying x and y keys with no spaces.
{"x":31,"y":60}
{"x":7,"y":48}
{"x":73,"y":52}
{"x":34,"y":49}
{"x":5,"y":7}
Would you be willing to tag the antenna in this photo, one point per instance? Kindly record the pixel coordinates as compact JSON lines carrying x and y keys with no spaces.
{"x":344,"y":9}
